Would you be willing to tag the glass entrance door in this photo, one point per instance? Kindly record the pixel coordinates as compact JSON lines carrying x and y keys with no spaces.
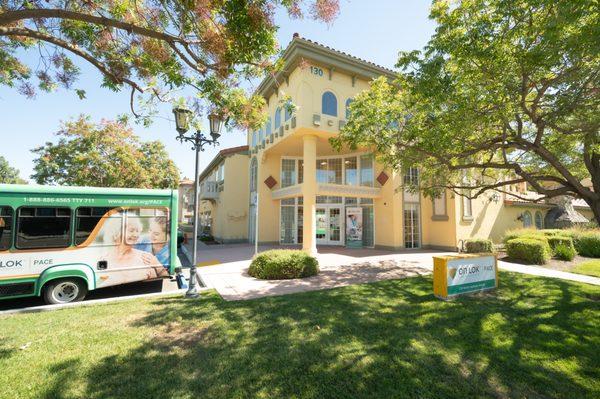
{"x":335,"y":227}
{"x":329,"y":225}
{"x":321,"y":233}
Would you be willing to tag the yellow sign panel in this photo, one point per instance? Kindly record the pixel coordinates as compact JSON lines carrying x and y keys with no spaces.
{"x":462,"y":274}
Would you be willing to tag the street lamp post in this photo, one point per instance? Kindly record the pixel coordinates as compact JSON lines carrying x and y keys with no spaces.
{"x":198,"y":140}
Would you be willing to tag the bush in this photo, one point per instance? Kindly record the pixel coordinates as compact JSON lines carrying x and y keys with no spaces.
{"x":552,"y":232}
{"x":563,"y":251}
{"x":529,"y":250}
{"x":553,"y":241}
{"x":522,"y":233}
{"x":479,"y":245}
{"x":205,"y":237}
{"x":587,"y":243}
{"x":280,"y":264}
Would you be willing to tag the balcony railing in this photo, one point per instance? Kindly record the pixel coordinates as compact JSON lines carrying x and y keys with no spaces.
{"x":209,"y":190}
{"x":326,"y":123}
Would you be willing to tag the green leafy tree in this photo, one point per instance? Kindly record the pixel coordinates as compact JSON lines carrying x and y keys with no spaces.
{"x":8,"y":174}
{"x":151,"y":47}
{"x":107,"y":154}
{"x":506,"y":91}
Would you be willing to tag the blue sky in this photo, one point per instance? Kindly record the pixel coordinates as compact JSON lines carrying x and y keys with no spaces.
{"x":375,"y":30}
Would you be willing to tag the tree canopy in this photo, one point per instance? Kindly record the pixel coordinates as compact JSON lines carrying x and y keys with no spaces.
{"x":151,"y":47}
{"x":505,"y":92}
{"x":106,"y":154}
{"x":8,"y":174}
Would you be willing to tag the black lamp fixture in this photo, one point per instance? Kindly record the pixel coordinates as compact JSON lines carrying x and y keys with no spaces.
{"x":216,"y":123}
{"x":182,"y":119}
{"x":183,"y":116}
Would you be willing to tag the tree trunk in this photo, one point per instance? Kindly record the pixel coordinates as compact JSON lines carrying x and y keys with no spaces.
{"x":595,"y":206}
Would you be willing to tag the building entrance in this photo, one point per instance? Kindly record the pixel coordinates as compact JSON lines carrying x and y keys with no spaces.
{"x":329,"y":223}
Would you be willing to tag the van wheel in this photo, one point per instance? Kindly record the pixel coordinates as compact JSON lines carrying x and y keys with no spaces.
{"x":64,"y":291}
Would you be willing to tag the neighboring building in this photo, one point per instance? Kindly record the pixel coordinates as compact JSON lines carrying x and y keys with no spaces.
{"x":186,"y":201}
{"x":309,"y":194}
{"x":223,"y":210}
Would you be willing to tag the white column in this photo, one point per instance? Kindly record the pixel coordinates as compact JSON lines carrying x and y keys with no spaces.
{"x":309,"y":192}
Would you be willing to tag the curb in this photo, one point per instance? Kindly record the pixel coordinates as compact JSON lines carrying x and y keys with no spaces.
{"x":49,"y":308}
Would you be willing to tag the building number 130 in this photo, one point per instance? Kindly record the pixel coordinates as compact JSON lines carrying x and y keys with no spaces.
{"x":316,"y":71}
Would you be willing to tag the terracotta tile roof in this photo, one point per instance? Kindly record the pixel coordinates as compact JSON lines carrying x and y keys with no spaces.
{"x":233,"y":150}
{"x":297,"y":36}
{"x":300,"y":48}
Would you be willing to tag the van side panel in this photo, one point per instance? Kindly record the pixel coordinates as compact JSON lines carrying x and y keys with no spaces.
{"x":91,"y":254}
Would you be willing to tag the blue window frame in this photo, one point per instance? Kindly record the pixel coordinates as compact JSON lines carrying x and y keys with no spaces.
{"x":329,"y":104}
{"x":260,"y":136}
{"x":254,"y":138}
{"x":277,"y":118}
{"x":348,"y":102}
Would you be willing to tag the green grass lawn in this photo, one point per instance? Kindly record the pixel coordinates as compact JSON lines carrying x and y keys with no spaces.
{"x":533,"y":338}
{"x":590,"y":267}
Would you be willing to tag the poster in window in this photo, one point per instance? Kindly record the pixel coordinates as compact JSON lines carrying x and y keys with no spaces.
{"x":354,"y":227}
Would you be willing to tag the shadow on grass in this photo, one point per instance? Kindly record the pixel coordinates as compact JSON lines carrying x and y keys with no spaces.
{"x":63,"y":375}
{"x":534,"y":338}
{"x":5,"y":353}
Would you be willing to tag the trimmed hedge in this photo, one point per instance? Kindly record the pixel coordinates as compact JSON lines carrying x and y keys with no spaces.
{"x":587,"y":243}
{"x":554,"y":241}
{"x":564,"y":252}
{"x":529,"y":250}
{"x":522,"y":233}
{"x":279,"y":264}
{"x":479,"y":245}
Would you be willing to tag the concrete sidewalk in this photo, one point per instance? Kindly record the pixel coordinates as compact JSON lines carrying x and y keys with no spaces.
{"x":225,"y":268}
{"x":339,"y":267}
{"x":545,"y":272}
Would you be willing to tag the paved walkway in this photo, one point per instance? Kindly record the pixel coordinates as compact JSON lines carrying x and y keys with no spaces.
{"x":225,"y":268}
{"x":545,"y":272}
{"x":339,"y":267}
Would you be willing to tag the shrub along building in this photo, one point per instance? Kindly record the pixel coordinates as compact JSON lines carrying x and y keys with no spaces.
{"x":309,"y":194}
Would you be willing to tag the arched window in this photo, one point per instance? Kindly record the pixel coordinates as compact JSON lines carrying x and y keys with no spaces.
{"x":539,"y":220}
{"x":254,"y":138}
{"x":348,"y":102}
{"x":277,"y":118}
{"x":329,"y":104}
{"x":268,"y":127}
{"x":527,"y":220}
{"x":253,"y":174}
{"x":260,"y":136}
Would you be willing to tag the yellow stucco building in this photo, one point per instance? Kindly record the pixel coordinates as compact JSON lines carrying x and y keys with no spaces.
{"x":306,"y":193}
{"x":223,"y":194}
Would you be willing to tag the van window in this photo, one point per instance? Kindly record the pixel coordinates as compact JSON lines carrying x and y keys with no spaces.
{"x":6,"y":217}
{"x":86,"y":221}
{"x":147,"y":225}
{"x":43,"y":227}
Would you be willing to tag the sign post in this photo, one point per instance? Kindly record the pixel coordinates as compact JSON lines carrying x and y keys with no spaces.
{"x":462,"y":274}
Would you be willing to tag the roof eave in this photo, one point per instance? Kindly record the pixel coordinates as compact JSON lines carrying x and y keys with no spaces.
{"x":301,"y":48}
